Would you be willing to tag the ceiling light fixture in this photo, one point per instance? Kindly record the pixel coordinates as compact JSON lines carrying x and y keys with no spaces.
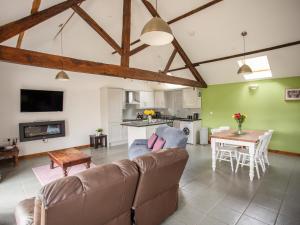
{"x":244,"y":69}
{"x":156,"y":32}
{"x":61,"y":75}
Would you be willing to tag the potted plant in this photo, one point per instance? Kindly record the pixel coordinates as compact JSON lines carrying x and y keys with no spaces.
{"x":99,"y":131}
{"x":149,"y":113}
{"x":240,"y":119}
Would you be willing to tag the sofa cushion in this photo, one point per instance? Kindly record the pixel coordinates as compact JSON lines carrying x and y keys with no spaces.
{"x":161,"y":129}
{"x":24,"y":212}
{"x":159,"y":144}
{"x":175,"y":138}
{"x":152,"y":140}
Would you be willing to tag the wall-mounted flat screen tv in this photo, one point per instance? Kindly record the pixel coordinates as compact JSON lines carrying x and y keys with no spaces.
{"x":41,"y":101}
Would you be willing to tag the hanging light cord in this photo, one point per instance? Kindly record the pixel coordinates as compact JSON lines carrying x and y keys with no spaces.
{"x":61,"y":48}
{"x":244,"y":48}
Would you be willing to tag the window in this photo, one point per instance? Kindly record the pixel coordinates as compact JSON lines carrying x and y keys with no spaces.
{"x":260,"y":67}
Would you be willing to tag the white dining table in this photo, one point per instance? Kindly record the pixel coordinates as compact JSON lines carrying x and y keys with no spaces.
{"x":249,"y":138}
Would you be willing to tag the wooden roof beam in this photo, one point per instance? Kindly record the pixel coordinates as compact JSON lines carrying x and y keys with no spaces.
{"x":126,"y":33}
{"x":93,"y":24}
{"x":185,"y":15}
{"x":239,"y":55}
{"x":35,"y":7}
{"x":178,"y":47}
{"x":38,"y":59}
{"x":11,"y":29}
{"x":169,"y":63}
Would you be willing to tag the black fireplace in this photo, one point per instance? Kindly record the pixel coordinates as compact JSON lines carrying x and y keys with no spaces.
{"x":41,"y":130}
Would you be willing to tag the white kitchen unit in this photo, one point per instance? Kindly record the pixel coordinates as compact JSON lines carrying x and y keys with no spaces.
{"x":146,"y":99}
{"x":140,"y":132}
{"x":192,"y":130}
{"x":191,"y":99}
{"x":111,"y":104}
{"x":159,"y":99}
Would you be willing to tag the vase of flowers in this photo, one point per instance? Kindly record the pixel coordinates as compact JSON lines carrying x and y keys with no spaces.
{"x":99,"y":131}
{"x":240,"y":119}
{"x":149,"y":113}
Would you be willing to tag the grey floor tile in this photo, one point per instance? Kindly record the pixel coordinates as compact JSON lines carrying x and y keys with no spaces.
{"x":260,"y":213}
{"x":225,"y":214}
{"x":287,"y":220}
{"x":208,"y":220}
{"x":246,"y":220}
{"x":267,"y":201}
{"x":291,"y":208}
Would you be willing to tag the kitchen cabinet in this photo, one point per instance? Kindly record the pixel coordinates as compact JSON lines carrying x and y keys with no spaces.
{"x":191,"y":99}
{"x":159,"y":99}
{"x":111,"y":102}
{"x":146,"y":99}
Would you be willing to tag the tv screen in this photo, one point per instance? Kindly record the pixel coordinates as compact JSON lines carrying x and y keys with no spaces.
{"x":41,"y":101}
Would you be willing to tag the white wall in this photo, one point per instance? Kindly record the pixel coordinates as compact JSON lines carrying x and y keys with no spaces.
{"x":81,"y":104}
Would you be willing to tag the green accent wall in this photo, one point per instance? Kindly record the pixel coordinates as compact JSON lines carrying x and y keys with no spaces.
{"x":265,"y":108}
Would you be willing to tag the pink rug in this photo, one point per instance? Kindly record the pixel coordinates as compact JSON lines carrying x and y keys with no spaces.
{"x":46,"y":175}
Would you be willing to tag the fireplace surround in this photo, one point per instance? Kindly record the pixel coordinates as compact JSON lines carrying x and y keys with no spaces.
{"x":41,"y":130}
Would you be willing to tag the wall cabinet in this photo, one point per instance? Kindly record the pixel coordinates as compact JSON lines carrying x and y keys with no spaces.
{"x":146,"y":99}
{"x":159,"y":99}
{"x":191,"y":99}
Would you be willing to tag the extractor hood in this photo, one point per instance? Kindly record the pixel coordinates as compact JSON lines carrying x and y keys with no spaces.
{"x":131,"y":98}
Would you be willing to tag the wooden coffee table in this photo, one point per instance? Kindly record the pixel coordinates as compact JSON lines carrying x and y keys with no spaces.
{"x":67,"y":158}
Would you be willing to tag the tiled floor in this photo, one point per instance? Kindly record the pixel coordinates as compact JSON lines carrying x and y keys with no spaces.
{"x":206,"y":198}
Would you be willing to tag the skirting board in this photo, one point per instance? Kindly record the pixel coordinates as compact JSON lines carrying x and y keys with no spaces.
{"x":285,"y":152}
{"x":45,"y":153}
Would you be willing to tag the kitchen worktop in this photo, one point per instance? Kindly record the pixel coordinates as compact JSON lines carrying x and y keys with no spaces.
{"x":163,"y":119}
{"x":145,"y":123}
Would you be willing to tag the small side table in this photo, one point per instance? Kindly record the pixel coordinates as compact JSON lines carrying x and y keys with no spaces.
{"x":95,"y":141}
{"x":11,"y":153}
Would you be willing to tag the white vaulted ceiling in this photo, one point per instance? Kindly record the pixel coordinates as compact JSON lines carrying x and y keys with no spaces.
{"x":211,"y":33}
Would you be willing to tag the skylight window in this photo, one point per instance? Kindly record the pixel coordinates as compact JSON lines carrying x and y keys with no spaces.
{"x":260,"y":67}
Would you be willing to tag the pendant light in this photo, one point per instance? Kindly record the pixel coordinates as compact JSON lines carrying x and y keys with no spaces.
{"x":156,"y":32}
{"x":61,"y":75}
{"x":244,"y":69}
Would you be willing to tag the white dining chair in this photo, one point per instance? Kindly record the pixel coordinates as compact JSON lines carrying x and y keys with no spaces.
{"x":227,"y":153}
{"x":265,"y":152}
{"x":244,"y":155}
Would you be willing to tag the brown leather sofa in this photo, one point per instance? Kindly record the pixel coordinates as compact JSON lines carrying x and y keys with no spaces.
{"x":144,"y":190}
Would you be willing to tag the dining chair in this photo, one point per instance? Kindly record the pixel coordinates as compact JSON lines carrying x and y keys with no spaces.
{"x":244,"y":155}
{"x":225,"y":152}
{"x":265,"y":152}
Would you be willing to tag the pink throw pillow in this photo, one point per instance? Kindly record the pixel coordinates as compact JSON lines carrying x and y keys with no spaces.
{"x":159,"y":144}
{"x":151,"y":140}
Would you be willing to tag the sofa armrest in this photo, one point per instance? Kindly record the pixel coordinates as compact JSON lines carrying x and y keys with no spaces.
{"x":24,"y":212}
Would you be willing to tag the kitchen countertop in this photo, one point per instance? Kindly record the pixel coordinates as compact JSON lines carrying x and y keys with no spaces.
{"x":145,"y":123}
{"x":169,"y":119}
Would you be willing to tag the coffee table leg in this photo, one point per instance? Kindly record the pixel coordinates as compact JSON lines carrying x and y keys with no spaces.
{"x":88,"y":165}
{"x":51,"y":164}
{"x":65,"y":171}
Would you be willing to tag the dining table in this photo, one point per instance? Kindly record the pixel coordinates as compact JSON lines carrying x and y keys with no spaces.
{"x":248,"y":138}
